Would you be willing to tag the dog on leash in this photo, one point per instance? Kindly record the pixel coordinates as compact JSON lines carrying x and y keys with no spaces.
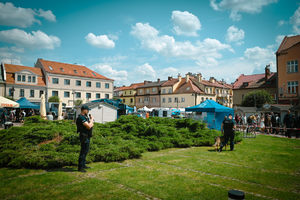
{"x":218,"y":141}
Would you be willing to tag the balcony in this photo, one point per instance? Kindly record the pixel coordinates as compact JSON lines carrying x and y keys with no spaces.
{"x":220,"y":95}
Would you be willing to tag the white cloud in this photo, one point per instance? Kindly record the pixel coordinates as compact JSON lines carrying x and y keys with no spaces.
{"x":21,"y":17}
{"x":240,"y":6}
{"x":281,"y":22}
{"x":109,"y":72}
{"x":17,"y":49}
{"x":11,"y":61}
{"x":47,"y":15}
{"x":167,"y":46}
{"x":7,"y":56}
{"x":100,"y":41}
{"x":295,"y":21}
{"x":235,"y":35}
{"x":170,"y":71}
{"x":185,"y":23}
{"x":207,"y":62}
{"x":114,"y":58}
{"x":37,"y":39}
{"x":145,"y":71}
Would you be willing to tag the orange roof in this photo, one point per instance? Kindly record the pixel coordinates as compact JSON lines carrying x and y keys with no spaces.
{"x":254,"y":81}
{"x":170,"y":82}
{"x":70,"y":69}
{"x":288,"y":42}
{"x":187,"y":87}
{"x":11,"y":69}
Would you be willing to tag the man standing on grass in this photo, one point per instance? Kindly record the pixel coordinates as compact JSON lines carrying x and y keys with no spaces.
{"x":85,"y":128}
{"x":288,"y":123}
{"x":227,"y":128}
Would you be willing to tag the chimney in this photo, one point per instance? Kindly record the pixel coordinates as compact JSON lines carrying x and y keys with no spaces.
{"x":267,"y":72}
{"x":123,"y":85}
{"x":179,"y":78}
{"x":187,"y":78}
{"x":158,"y":80}
{"x":212,"y":80}
{"x":199,"y":77}
{"x":145,"y":82}
{"x":170,"y":78}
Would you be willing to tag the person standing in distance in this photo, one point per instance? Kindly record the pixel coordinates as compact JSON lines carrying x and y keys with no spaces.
{"x":227,"y":128}
{"x":288,"y":123}
{"x":84,"y":127}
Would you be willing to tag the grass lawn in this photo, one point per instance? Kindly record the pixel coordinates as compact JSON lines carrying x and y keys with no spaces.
{"x":264,"y":168}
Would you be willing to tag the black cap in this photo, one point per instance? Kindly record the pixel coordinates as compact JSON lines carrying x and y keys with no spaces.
{"x":230,"y":114}
{"x":85,"y":107}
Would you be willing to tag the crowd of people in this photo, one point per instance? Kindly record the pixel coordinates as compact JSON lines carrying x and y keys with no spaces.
{"x":270,"y":123}
{"x":16,"y":115}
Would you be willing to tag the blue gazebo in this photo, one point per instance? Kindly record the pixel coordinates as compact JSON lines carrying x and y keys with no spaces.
{"x":215,"y":113}
{"x":24,"y":103}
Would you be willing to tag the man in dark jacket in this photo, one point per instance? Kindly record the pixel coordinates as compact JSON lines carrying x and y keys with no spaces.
{"x":273,"y":122}
{"x":297,"y":126}
{"x":227,"y":128}
{"x":288,"y":123}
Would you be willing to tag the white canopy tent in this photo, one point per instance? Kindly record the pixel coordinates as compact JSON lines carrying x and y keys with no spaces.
{"x":145,"y":109}
{"x":4,"y":102}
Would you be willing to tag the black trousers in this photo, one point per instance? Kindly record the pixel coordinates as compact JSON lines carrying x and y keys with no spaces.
{"x":85,"y":146}
{"x":229,"y":136}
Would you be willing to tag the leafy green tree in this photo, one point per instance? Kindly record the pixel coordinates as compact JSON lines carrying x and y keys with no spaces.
{"x":10,"y":98}
{"x":257,"y":98}
{"x":78,"y":102}
{"x":54,"y":99}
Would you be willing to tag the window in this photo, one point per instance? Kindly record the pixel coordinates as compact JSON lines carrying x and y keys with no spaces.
{"x":21,"y":92}
{"x":50,"y":68}
{"x":125,"y":92}
{"x":210,"y":98}
{"x":61,"y":69}
{"x":88,"y":84}
{"x":153,"y":89}
{"x":140,"y":90}
{"x":130,"y":92}
{"x":140,"y":100}
{"x":217,"y":91}
{"x":243,"y":96}
{"x":206,"y":90}
{"x":169,"y":100}
{"x":176,"y":99}
{"x":23,"y":78}
{"x":153,"y":99}
{"x":78,"y":83}
{"x":293,"y":87}
{"x":94,"y":73}
{"x":164,"y":91}
{"x":33,"y":79}
{"x":31,"y":93}
{"x":88,"y":95}
{"x":226,"y":91}
{"x":55,"y":93}
{"x":245,"y":83}
{"x":182,"y":99}
{"x":165,"y":113}
{"x":106,"y":96}
{"x":202,"y":99}
{"x":210,"y":90}
{"x":292,"y":66}
{"x":78,"y":95}
{"x":75,"y":71}
{"x":66,"y":94}
{"x":19,"y":77}
{"x":188,"y":88}
{"x":41,"y":92}
{"x":164,"y":100}
{"x":98,"y":85}
{"x":106,"y":85}
{"x":55,"y":80}
{"x":146,"y":99}
{"x":131,"y":100}
{"x":206,"y":98}
{"x":97,"y":95}
{"x":123,"y":100}
{"x":147,"y":90}
{"x":67,"y":81}
{"x":29,"y":79}
{"x":9,"y":92}
{"x":84,"y":72}
{"x":170,"y":90}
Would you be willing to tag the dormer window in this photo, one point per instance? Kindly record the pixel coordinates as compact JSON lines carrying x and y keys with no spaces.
{"x":61,"y":69}
{"x":50,"y":68}
{"x":84,"y":72}
{"x":94,"y":73}
{"x":75,"y":71}
{"x":188,"y":88}
{"x":245,"y":84}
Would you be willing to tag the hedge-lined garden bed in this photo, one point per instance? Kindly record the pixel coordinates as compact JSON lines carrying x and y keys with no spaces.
{"x":46,"y":144}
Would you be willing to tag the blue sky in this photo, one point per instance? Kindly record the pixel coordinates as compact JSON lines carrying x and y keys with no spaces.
{"x":132,"y":41}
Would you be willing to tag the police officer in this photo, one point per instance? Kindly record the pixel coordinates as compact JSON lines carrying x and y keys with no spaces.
{"x":227,"y":128}
{"x":84,"y":127}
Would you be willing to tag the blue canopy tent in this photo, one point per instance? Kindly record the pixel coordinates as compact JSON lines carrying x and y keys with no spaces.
{"x":175,"y":112}
{"x":215,"y":113}
{"x":24,"y":103}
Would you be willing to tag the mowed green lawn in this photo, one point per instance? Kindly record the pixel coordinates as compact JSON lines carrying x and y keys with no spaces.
{"x":264,"y":168}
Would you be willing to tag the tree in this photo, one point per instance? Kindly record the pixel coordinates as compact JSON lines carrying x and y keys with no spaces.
{"x":78,"y":102}
{"x":10,"y":98}
{"x":54,"y":99}
{"x":257,"y":99}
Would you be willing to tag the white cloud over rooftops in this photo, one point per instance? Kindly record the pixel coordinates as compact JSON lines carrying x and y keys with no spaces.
{"x":241,"y":6}
{"x":22,"y":17}
{"x":185,"y":23}
{"x":295,"y":21}
{"x":235,"y":35}
{"x":35,"y":39}
{"x":101,"y":41}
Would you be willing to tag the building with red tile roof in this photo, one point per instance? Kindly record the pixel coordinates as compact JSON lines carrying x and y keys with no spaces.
{"x":73,"y":82}
{"x":23,"y":81}
{"x":248,"y":83}
{"x":287,"y":62}
{"x":129,"y":93}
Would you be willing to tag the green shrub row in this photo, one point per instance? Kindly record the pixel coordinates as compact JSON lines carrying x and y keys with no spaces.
{"x":126,"y":138}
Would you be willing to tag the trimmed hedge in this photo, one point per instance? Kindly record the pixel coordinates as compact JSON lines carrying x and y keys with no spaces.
{"x":45,"y":144}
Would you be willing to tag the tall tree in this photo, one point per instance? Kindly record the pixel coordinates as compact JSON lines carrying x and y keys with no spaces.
{"x":257,"y":99}
{"x":54,"y":99}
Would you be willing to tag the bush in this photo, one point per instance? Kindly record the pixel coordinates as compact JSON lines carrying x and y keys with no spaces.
{"x":47,"y":144}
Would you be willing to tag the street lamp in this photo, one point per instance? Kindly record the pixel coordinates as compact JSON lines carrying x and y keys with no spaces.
{"x":12,"y":91}
{"x":177,"y":102}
